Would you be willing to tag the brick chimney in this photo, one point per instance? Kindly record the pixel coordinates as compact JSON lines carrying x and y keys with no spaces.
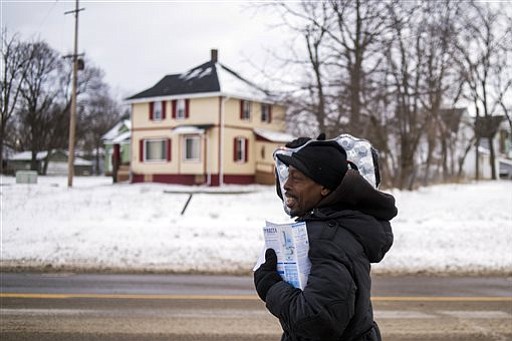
{"x":215,"y":55}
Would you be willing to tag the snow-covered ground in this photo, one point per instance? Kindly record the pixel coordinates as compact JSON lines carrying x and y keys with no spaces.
{"x":99,"y":225}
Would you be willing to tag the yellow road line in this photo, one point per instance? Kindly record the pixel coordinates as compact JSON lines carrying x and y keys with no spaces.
{"x":444,"y":298}
{"x":131,"y":296}
{"x":251,"y":297}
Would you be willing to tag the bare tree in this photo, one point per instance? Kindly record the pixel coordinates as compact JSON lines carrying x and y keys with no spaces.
{"x":440,"y":87}
{"x":45,"y":99}
{"x":39,"y":95}
{"x":307,"y":94}
{"x":339,"y":40}
{"x":484,"y":59}
{"x":98,"y":111}
{"x":405,"y":57}
{"x":104,"y":113}
{"x":356,"y":41}
{"x":14,"y":68}
{"x":387,"y":71}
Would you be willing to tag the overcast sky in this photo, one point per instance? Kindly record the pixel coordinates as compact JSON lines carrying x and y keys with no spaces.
{"x":136,"y":43}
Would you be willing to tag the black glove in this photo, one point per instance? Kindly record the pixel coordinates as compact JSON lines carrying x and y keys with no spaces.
{"x":266,"y":276}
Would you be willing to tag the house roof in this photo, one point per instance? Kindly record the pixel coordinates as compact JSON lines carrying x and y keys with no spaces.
{"x":209,"y":78}
{"x":27,"y":156}
{"x":191,"y":129}
{"x":123,"y":137}
{"x":452,"y":117}
{"x":117,"y":130}
{"x":488,"y":126}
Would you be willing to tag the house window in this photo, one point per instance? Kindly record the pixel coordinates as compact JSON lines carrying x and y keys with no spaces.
{"x":156,"y":150}
{"x":240,"y":149}
{"x":245,"y":110}
{"x":265,"y":113}
{"x":157,"y":112}
{"x":180,"y":109}
{"x":192,"y":149}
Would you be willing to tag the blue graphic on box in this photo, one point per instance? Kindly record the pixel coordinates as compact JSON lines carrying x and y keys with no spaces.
{"x":290,"y":242}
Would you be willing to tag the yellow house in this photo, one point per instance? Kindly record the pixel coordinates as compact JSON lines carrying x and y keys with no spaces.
{"x":205,"y":126}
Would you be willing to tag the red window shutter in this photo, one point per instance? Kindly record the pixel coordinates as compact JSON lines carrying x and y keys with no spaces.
{"x":235,"y":149}
{"x":151,"y":110}
{"x":141,"y":150}
{"x":241,"y":108}
{"x":168,"y":149}
{"x":269,"y":113}
{"x":187,"y":104}
{"x":163,"y":110}
{"x":246,"y":156}
{"x":173,"y":108}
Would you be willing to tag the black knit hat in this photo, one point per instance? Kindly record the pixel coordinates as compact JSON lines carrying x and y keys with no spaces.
{"x":325,"y":162}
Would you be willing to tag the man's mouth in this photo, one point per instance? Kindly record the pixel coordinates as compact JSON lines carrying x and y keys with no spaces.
{"x":290,"y":201}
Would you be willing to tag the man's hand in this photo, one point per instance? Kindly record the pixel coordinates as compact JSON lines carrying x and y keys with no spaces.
{"x":266,"y":276}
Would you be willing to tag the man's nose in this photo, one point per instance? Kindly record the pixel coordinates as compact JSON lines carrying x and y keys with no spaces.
{"x":286,"y":185}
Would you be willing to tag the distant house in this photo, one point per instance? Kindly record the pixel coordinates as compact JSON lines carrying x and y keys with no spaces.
{"x":57,"y":164}
{"x":502,"y":145}
{"x":463,"y":125}
{"x":208,"y":125}
{"x":118,"y":139}
{"x":458,"y":140}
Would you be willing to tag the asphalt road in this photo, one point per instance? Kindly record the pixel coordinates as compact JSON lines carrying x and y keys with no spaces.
{"x":178,"y":307}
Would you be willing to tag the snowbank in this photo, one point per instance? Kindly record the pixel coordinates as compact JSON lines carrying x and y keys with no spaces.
{"x":97,"y":225}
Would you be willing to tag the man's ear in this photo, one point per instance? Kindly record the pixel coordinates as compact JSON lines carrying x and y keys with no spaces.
{"x":325,"y":191}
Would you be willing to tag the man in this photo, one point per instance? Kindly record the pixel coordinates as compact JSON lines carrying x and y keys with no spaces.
{"x":348,"y":228}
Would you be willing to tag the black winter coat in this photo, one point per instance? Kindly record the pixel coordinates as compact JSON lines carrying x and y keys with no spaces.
{"x":347,"y":232}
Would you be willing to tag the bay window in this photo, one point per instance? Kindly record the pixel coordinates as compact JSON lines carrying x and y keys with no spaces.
{"x":155,"y":150}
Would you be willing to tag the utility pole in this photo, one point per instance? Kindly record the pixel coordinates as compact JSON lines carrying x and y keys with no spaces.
{"x":72,"y":116}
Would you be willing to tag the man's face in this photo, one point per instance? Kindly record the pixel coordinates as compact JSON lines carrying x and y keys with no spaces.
{"x":301,"y":194}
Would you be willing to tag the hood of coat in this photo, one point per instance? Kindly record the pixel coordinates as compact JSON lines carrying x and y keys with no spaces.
{"x":362,"y":210}
{"x":356,"y":193}
{"x":375,"y":236}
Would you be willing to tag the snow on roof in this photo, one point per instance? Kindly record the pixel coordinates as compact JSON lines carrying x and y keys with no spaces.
{"x":232,"y":84}
{"x":206,"y":79}
{"x":82,"y":162}
{"x":27,"y":156}
{"x":114,"y":131}
{"x":274,"y":136}
{"x":123,"y":137}
{"x":196,"y":73}
{"x":188,"y":130}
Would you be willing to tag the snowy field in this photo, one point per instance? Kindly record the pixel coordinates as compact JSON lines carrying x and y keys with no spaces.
{"x":96,"y":225}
